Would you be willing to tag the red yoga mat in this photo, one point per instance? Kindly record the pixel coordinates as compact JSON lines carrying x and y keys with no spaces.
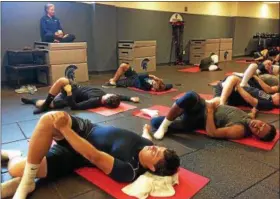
{"x":108,"y":112}
{"x":194,"y":69}
{"x":204,"y":96}
{"x":189,"y":184}
{"x":228,"y":73}
{"x":153,"y":92}
{"x":163,"y":110}
{"x":253,"y":142}
{"x":244,"y":61}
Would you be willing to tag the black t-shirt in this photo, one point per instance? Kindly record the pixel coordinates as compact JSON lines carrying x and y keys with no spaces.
{"x":264,"y":99}
{"x":206,"y":63}
{"x":122,"y":144}
{"x":145,"y":82}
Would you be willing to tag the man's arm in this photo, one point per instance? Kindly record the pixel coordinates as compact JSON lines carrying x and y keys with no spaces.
{"x":129,"y":99}
{"x":232,"y":132}
{"x":155,"y":78}
{"x":100,"y":159}
{"x":44,"y":28}
{"x":246,"y":96}
{"x":59,"y":25}
{"x":266,"y":87}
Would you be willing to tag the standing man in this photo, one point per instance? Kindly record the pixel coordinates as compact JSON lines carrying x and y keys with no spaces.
{"x":51,"y":30}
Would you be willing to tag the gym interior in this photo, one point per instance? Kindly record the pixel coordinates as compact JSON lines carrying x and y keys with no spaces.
{"x":169,"y":41}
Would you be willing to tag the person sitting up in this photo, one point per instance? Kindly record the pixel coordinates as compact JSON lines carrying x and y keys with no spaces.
{"x":143,"y":81}
{"x":65,"y":93}
{"x":230,"y":91}
{"x":51,"y":30}
{"x":191,"y":112}
{"x":265,"y":67}
{"x":121,"y":154}
{"x":210,"y":63}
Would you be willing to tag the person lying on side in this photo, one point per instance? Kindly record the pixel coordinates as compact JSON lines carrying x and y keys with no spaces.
{"x":191,"y":112}
{"x":230,"y":92}
{"x":143,"y":81}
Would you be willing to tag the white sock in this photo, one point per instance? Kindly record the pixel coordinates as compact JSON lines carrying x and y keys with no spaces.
{"x":112,"y":82}
{"x":27,"y":183}
{"x":248,"y":74}
{"x":9,"y":154}
{"x":9,"y":187}
{"x":151,"y":113}
{"x":162,"y":129}
{"x":213,"y":68}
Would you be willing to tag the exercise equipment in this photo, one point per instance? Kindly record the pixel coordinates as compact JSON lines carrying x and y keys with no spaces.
{"x":108,"y":112}
{"x":177,"y":24}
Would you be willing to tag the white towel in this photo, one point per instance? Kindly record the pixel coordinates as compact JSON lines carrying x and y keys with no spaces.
{"x":149,"y":184}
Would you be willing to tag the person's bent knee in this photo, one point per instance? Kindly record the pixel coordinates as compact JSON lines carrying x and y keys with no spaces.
{"x":63,"y":81}
{"x":124,"y":66}
{"x":14,"y":167}
{"x":253,"y":66}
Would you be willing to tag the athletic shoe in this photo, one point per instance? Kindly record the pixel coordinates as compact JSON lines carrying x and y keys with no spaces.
{"x":22,"y":89}
{"x":108,"y":85}
{"x":32,"y":89}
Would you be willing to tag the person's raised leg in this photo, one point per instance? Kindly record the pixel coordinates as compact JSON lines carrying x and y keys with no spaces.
{"x":228,"y":86}
{"x":39,"y":146}
{"x":248,"y":74}
{"x":55,"y":90}
{"x":185,"y":103}
{"x":120,"y":72}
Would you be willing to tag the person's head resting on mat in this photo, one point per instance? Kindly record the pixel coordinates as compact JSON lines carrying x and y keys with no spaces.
{"x":49,"y":9}
{"x":159,"y":160}
{"x":263,"y":131}
{"x":111,"y":100}
{"x":159,"y":86}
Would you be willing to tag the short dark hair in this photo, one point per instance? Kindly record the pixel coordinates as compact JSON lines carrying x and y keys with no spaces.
{"x":271,"y":134}
{"x":169,"y":165}
{"x":112,"y":101}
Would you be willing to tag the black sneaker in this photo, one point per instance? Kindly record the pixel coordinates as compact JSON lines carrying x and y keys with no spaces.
{"x":108,"y":85}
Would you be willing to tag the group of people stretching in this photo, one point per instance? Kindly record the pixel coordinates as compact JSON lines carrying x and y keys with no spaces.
{"x":124,"y":155}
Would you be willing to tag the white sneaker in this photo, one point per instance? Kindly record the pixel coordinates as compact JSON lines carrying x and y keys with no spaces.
{"x":32,"y":89}
{"x":22,"y":89}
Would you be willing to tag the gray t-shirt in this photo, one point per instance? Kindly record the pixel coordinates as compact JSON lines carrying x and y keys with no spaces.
{"x":271,"y":80}
{"x":226,"y":116}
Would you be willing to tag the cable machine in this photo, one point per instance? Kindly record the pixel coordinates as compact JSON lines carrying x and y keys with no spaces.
{"x":177,"y":24}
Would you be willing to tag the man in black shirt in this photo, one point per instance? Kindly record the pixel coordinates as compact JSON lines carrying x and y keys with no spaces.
{"x":232,"y":93}
{"x":51,"y":30}
{"x":119,"y":153}
{"x":65,"y":93}
{"x":143,"y":81}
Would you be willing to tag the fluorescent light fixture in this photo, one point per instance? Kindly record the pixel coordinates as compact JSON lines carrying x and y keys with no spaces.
{"x":272,"y":2}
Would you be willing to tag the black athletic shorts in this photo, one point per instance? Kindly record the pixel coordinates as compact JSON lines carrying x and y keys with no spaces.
{"x":131,"y":79}
{"x":62,"y":159}
{"x":234,"y":99}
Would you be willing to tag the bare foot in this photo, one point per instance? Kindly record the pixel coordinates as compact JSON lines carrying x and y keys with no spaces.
{"x":146,"y":132}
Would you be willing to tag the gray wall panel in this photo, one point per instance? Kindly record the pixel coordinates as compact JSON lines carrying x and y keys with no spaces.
{"x":104,"y":37}
{"x":136,"y":24}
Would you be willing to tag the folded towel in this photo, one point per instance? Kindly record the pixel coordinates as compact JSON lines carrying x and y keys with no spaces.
{"x":149,"y":184}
